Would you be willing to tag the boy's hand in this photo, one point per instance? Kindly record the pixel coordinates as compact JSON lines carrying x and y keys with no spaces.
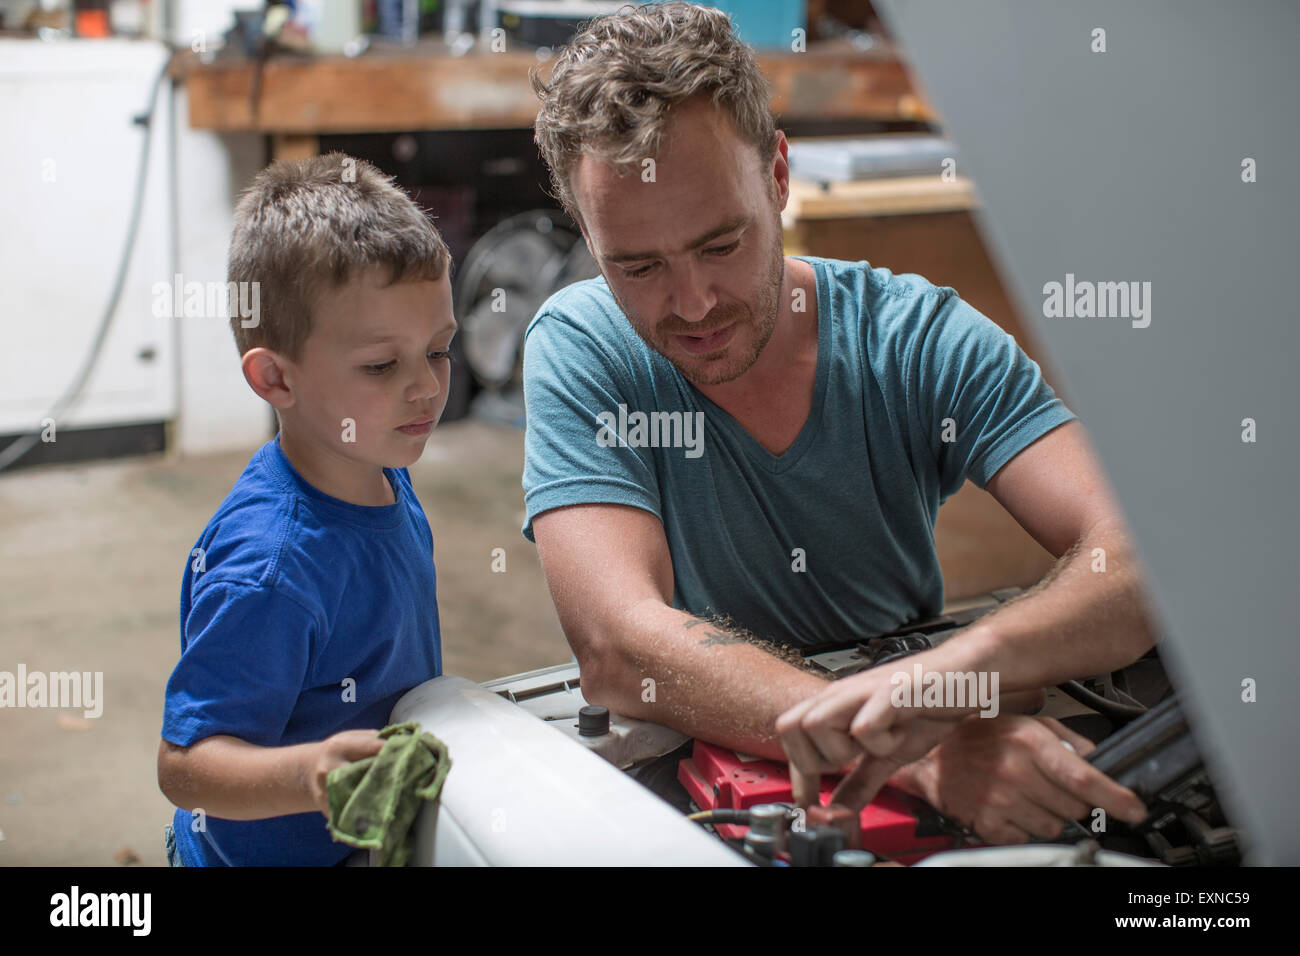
{"x":339,"y":750}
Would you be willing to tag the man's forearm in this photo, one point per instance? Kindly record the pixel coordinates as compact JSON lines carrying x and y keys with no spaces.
{"x":1079,"y":621}
{"x":696,"y":677}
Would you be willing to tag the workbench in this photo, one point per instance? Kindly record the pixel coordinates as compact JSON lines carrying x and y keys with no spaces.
{"x":424,"y":87}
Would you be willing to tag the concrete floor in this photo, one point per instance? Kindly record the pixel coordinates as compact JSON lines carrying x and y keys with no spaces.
{"x":91,"y":559}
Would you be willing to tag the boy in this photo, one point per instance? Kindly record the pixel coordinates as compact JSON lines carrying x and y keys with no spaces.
{"x":308,"y":604}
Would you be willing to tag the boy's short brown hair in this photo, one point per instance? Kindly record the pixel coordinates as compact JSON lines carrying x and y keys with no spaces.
{"x":307,"y":223}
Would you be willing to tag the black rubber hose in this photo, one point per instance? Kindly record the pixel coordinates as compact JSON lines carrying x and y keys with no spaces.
{"x":723,"y":815}
{"x":1109,"y":708}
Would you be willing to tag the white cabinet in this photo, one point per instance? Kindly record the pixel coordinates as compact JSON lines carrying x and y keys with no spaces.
{"x":68,"y":168}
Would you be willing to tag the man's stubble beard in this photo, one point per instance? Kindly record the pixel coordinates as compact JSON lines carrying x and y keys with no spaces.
{"x":764,"y":323}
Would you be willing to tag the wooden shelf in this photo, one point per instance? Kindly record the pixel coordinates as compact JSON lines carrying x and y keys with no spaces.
{"x":427,"y":89}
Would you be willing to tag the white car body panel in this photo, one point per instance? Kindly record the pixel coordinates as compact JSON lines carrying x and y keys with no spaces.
{"x":522,"y":793}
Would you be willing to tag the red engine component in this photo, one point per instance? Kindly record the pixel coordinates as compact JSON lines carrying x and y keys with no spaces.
{"x":895,"y":825}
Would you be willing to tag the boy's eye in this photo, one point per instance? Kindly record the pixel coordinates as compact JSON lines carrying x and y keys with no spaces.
{"x":388,"y":366}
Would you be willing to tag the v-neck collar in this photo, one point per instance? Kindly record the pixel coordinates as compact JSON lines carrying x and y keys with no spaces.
{"x":812,"y":424}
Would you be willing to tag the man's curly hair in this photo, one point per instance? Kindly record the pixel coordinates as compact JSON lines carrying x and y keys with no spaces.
{"x":613,"y":86}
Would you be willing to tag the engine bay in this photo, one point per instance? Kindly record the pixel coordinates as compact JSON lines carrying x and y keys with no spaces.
{"x":1143,"y":741}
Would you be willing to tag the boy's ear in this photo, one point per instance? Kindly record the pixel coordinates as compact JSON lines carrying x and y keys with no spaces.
{"x":264,"y":371}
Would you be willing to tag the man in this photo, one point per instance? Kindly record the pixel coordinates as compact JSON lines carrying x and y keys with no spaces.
{"x":724,"y":443}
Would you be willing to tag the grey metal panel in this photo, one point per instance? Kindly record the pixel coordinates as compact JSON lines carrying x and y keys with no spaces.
{"x":1126,"y":165}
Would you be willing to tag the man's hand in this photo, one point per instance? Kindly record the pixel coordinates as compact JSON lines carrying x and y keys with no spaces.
{"x":338,"y":750}
{"x":1010,"y":778}
{"x":856,"y":720}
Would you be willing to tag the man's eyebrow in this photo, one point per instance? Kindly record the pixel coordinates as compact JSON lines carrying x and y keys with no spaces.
{"x":731,"y":225}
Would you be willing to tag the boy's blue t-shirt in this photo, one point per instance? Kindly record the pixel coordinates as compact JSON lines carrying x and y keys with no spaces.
{"x":832,"y":540}
{"x":301,"y":616}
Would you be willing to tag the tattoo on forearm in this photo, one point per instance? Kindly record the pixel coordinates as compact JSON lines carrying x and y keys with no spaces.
{"x":722,"y":631}
{"x":712,"y":637}
{"x":718,"y":638}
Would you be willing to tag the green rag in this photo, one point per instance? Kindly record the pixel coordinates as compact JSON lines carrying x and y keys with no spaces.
{"x":374,"y":802}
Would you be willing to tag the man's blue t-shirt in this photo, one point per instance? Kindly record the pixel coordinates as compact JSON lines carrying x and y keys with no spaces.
{"x":832,"y":540}
{"x":301,"y":616}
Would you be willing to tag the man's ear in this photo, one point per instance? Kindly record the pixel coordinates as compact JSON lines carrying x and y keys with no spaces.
{"x":266,"y":373}
{"x":780,"y":170}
